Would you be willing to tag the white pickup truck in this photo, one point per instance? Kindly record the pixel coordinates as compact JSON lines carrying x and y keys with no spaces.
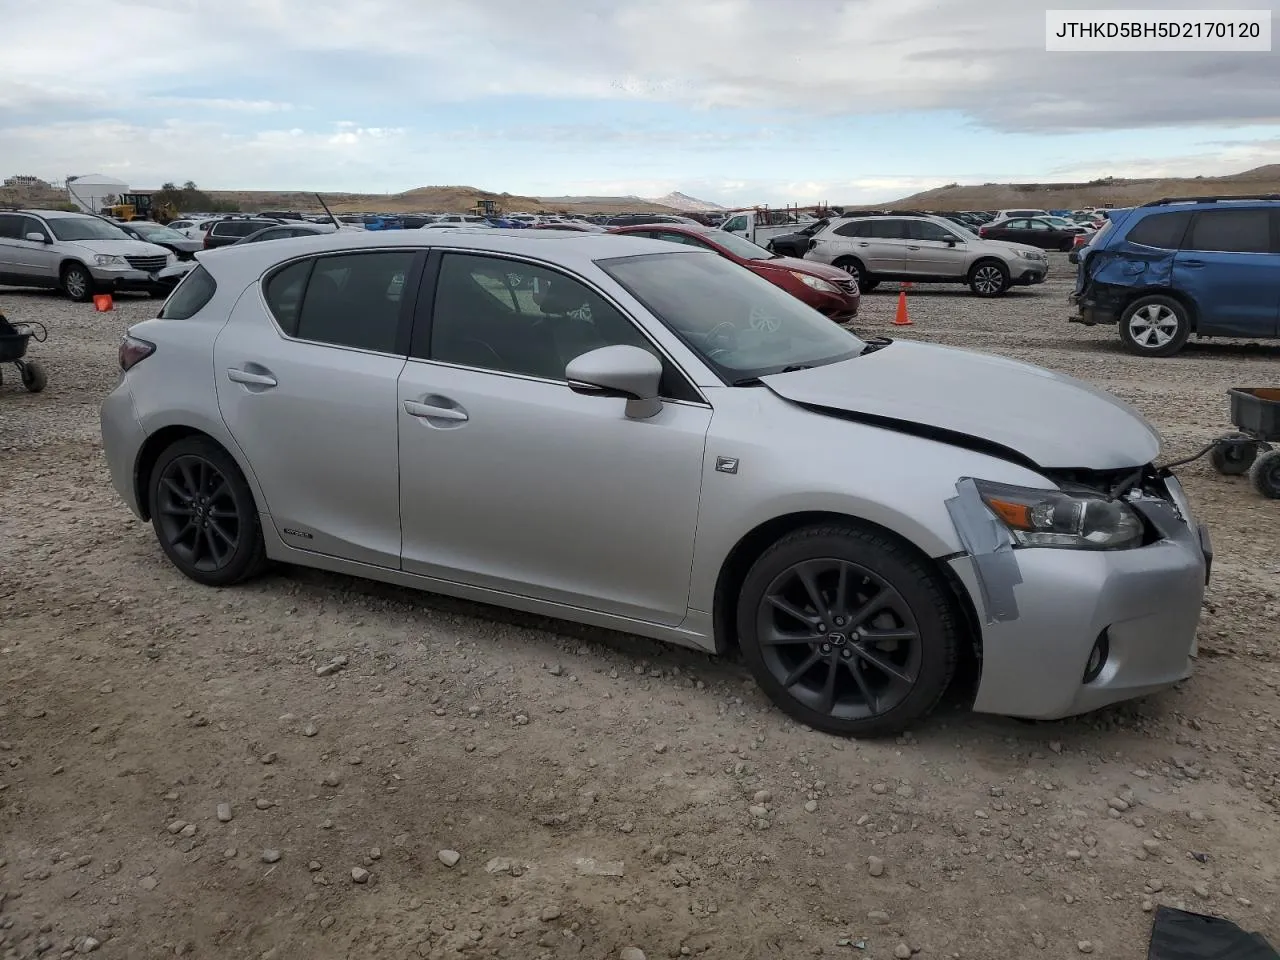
{"x":761,"y":226}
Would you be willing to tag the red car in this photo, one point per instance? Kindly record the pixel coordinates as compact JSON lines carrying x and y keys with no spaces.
{"x":829,"y":290}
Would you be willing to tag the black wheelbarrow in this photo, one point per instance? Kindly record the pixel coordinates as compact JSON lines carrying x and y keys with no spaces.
{"x":1256,"y":413}
{"x":13,"y":349}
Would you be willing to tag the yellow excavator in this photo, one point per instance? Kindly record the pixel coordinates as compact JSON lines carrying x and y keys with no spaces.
{"x":140,"y":206}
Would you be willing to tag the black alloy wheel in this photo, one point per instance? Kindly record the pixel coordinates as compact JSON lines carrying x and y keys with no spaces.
{"x":840,"y":638}
{"x":847,"y":632}
{"x":204,"y":515}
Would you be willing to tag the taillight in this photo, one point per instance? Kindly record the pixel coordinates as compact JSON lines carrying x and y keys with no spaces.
{"x":133,"y":351}
{"x":206,"y":241}
{"x":982,"y":231}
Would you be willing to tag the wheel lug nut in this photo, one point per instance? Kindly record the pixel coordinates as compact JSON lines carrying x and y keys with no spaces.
{"x":826,"y":648}
{"x":839,"y":621}
{"x":846,"y":653}
{"x":822,"y":628}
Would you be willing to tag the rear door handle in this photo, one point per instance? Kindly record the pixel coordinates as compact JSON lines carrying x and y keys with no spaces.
{"x":1193,"y":263}
{"x":863,"y":243}
{"x":431,"y":411}
{"x":909,"y":247}
{"x":252,"y":379}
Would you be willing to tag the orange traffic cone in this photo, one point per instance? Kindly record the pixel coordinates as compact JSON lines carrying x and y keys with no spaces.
{"x":902,"y":320}
{"x":102,"y":302}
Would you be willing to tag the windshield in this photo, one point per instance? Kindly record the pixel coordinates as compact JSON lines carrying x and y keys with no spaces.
{"x":154,"y":230}
{"x":740,"y":324}
{"x":85,"y":228}
{"x":740,"y":246}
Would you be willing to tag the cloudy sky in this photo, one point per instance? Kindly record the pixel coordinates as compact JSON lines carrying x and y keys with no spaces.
{"x":730,"y":100}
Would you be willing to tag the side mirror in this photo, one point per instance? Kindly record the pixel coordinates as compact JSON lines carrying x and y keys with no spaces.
{"x":38,"y":238}
{"x":619,"y":371}
{"x":951,"y":241}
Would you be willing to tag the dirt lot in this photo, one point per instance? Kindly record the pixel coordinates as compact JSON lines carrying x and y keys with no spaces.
{"x":596,"y":787}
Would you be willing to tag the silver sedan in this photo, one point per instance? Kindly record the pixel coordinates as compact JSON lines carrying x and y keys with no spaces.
{"x":649,"y":438}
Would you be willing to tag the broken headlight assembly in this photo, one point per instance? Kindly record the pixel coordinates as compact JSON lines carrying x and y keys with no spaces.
{"x":1071,"y":520}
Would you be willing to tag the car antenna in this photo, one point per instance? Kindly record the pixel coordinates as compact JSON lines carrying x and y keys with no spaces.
{"x":336,"y":224}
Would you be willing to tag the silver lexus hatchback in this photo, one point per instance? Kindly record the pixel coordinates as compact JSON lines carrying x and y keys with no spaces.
{"x":647,"y":437}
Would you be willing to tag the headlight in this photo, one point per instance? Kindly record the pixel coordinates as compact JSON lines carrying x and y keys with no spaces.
{"x":1031,"y":254}
{"x":1053,"y":518}
{"x":815,"y":283}
{"x":109,"y":260}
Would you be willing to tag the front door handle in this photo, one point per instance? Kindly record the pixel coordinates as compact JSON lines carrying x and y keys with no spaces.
{"x":864,"y":244}
{"x":1193,"y":263}
{"x":252,"y":379}
{"x":431,"y":411}
{"x":909,"y":247}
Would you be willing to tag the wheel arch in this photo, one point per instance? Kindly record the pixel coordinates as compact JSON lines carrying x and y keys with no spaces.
{"x":986,"y":258}
{"x":1193,"y":312}
{"x":73,"y":262}
{"x":754,"y":543}
{"x":159,"y":441}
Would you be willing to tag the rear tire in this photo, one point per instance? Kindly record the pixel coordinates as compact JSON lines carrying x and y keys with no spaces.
{"x":77,"y":283}
{"x":204,"y":515}
{"x":847,"y":631}
{"x":1155,"y":326}
{"x":854,"y":268}
{"x":1234,"y":455}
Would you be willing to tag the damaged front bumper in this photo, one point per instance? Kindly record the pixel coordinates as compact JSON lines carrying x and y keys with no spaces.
{"x":1048,"y":616}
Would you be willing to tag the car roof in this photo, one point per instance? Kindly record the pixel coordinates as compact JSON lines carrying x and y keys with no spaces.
{"x":669,"y":227}
{"x":569,"y":248}
{"x":56,"y":214}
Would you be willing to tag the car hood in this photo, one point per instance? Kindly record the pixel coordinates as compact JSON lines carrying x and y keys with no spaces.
{"x":125,"y":247}
{"x":958,"y":396}
{"x":802,"y":266}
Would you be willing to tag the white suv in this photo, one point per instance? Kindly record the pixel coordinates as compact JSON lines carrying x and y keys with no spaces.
{"x":925,"y":250}
{"x":78,"y":254}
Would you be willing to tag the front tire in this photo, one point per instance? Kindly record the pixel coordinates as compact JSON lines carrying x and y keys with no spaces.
{"x":204,"y":515}
{"x":1155,"y":326}
{"x":77,"y":283}
{"x":847,"y":631}
{"x":1265,"y":475}
{"x":34,"y":377}
{"x":989,"y":278}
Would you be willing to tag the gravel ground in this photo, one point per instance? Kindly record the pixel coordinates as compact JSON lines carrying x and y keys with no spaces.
{"x":176,"y":779}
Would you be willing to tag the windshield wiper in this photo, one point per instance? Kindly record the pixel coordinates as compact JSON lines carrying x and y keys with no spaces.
{"x":746,"y":382}
{"x":796,"y":367}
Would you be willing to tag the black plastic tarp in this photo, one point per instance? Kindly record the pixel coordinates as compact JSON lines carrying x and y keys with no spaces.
{"x":1179,"y":935}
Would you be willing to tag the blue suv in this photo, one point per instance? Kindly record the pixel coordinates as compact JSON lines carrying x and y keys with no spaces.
{"x":1208,"y":266}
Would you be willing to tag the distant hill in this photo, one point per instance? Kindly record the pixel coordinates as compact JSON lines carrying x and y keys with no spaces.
{"x":588,"y":204}
{"x":682,"y":201}
{"x":447,"y":199}
{"x":1117,"y":192}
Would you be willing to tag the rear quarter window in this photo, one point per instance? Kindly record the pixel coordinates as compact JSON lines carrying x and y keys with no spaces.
{"x":193,"y":293}
{"x":1161,"y":230}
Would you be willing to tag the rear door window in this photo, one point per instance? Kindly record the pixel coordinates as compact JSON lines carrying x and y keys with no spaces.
{"x":1161,"y":230}
{"x":283,"y":293}
{"x":353,"y":300}
{"x":889,"y":229}
{"x":1230,"y":231}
